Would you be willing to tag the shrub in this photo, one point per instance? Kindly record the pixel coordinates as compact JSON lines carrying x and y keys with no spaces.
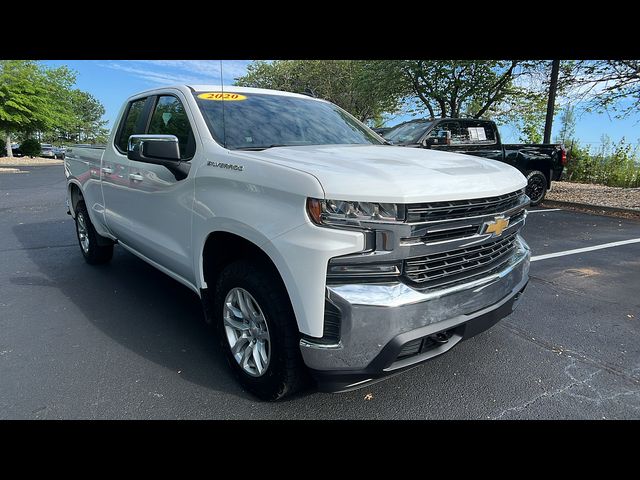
{"x":3,"y":148}
{"x":614,"y":165}
{"x":30,"y":147}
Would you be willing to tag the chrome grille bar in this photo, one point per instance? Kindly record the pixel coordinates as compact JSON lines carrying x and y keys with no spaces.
{"x":424,"y":212}
{"x":461,"y":264}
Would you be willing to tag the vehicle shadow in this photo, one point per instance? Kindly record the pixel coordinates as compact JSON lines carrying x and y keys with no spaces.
{"x":130,"y":301}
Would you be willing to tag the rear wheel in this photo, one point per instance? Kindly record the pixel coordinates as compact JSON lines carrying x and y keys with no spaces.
{"x":95,"y":249}
{"x":536,"y":186}
{"x":258,"y":331}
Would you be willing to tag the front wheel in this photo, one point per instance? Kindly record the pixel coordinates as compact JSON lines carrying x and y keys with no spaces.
{"x":258,"y":331}
{"x":536,"y":186}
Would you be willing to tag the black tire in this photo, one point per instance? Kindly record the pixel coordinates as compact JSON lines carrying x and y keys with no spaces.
{"x":537,"y":186}
{"x":285,"y":372}
{"x":99,"y":250}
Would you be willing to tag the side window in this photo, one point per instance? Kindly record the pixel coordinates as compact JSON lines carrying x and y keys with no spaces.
{"x":478,"y":133}
{"x":131,"y":121}
{"x":465,"y":133}
{"x":446,"y":130}
{"x":170,"y":118}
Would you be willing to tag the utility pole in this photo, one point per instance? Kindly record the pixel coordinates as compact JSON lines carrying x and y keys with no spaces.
{"x":553,"y":86}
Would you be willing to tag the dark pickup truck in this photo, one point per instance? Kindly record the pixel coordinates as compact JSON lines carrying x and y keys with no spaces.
{"x":540,"y":163}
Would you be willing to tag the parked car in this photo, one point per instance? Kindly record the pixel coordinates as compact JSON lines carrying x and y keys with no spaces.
{"x":381,"y":130}
{"x":59,"y":152}
{"x":47,"y":150}
{"x":15,"y":150}
{"x":318,"y":250}
{"x":540,"y":163}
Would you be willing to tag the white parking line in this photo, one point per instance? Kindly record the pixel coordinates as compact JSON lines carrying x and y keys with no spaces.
{"x":585,"y":249}
{"x":545,"y":210}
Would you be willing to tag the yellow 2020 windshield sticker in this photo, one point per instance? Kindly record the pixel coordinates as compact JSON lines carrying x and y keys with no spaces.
{"x":222,"y":96}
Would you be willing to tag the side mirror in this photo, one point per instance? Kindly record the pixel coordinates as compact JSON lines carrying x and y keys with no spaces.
{"x":159,"y":150}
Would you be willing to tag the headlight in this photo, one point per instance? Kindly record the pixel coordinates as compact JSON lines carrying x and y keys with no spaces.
{"x":346,"y":213}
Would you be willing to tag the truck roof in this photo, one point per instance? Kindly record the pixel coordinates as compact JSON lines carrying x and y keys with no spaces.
{"x":235,"y":89}
{"x":229,"y":88}
{"x":439,"y":119}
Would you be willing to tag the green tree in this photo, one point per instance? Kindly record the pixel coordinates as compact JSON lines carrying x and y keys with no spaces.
{"x":86,"y":124}
{"x":610,"y":85}
{"x":357,"y":86}
{"x":525,"y":108}
{"x":31,"y":147}
{"x":33,"y":98}
{"x":526,"y":113}
{"x":567,"y":125}
{"x":455,"y":88}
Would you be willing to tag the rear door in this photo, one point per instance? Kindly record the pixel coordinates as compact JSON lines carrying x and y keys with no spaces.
{"x":159,"y":205}
{"x":114,"y":171}
{"x":472,"y":137}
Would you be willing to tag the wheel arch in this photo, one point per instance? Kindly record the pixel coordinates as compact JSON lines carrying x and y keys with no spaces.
{"x":540,"y":165}
{"x":223,"y":247}
{"x":233,"y":247}
{"x":74,"y":192}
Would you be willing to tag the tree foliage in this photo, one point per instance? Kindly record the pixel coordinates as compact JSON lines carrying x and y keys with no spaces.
{"x":36,"y":99}
{"x":86,"y":124}
{"x":567,"y":125}
{"x":525,"y":108}
{"x":455,"y":88}
{"x":609,"y":85}
{"x":612,"y":164}
{"x":526,"y":113}
{"x":31,"y":147}
{"x":32,"y":97}
{"x":357,"y":86}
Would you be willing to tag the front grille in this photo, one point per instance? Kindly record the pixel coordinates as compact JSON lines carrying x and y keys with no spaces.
{"x":427,"y":212}
{"x":450,"y":233}
{"x":455,"y":266}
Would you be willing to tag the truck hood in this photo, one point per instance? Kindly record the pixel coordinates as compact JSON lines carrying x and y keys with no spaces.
{"x":386,"y":173}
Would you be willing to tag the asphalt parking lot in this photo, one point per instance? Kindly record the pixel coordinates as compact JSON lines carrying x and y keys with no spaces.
{"x":125,"y":341}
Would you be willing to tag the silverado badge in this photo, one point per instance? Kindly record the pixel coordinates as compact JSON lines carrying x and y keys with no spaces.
{"x":496,"y":226}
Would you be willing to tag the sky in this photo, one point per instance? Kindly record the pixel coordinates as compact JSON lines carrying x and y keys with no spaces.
{"x":112,"y":81}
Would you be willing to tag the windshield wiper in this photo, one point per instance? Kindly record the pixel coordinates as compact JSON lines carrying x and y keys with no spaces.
{"x":264,"y":147}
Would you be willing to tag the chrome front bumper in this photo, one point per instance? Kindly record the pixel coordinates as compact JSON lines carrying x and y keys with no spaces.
{"x":374,"y":316}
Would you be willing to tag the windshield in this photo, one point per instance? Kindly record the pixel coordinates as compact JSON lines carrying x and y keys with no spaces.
{"x":257,"y":121}
{"x":409,"y":132}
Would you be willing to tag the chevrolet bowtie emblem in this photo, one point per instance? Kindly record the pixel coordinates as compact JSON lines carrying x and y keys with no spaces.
{"x":496,"y":226}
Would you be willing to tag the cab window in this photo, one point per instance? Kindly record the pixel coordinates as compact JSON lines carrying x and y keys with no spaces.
{"x":465,"y":133}
{"x":169,"y":118}
{"x":131,"y":124}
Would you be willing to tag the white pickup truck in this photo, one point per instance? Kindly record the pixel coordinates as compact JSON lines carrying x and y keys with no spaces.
{"x":319,"y":251}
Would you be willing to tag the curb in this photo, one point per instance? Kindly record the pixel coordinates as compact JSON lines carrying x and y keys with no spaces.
{"x":31,"y":164}
{"x":596,"y":209}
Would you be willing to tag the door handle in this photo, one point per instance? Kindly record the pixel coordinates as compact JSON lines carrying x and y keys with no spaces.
{"x":136,"y":176}
{"x":107,"y":170}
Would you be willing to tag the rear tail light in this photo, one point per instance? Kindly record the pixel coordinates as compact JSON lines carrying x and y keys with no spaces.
{"x":563,"y":158}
